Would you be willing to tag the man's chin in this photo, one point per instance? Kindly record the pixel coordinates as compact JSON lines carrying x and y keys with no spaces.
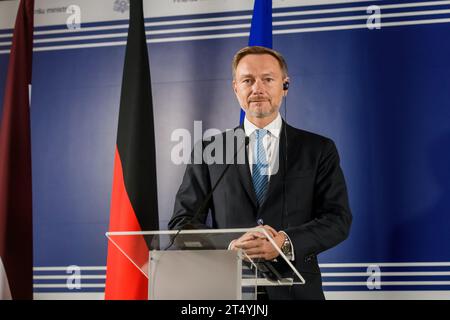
{"x":260,"y":114}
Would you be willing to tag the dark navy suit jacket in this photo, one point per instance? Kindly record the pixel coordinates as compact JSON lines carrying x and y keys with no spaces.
{"x":308,"y":201}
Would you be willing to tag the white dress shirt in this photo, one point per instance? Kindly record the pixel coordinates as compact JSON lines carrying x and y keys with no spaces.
{"x":271,"y":144}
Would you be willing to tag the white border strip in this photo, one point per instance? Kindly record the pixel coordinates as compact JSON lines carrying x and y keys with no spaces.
{"x":325,"y":284}
{"x":387,"y":295}
{"x":78,"y":46}
{"x":388,"y":283}
{"x":363,"y":17}
{"x":83,"y":29}
{"x":68,"y":296}
{"x":382,"y":7}
{"x":385,"y":264}
{"x":57,"y":286}
{"x":82,"y":277}
{"x":124,"y":34}
{"x":83,"y":268}
{"x":385,"y":274}
{"x":329,"y":295}
{"x":248,"y":17}
{"x":237,"y":35}
{"x":324,"y":274}
{"x":322,"y":265}
{"x":234,"y":26}
{"x":147,"y":24}
{"x":363,"y":26}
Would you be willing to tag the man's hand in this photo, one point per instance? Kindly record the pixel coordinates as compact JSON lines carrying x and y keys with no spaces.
{"x":256,"y":245}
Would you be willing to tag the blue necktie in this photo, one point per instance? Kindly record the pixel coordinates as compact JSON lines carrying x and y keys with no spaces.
{"x":260,"y":167}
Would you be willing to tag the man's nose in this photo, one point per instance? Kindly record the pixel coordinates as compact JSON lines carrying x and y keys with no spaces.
{"x":258,"y":86}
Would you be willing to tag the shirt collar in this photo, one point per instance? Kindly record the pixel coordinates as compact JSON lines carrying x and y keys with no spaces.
{"x":274,"y":127}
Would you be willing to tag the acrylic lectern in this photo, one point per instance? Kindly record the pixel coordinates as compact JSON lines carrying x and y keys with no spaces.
{"x":197,"y":265}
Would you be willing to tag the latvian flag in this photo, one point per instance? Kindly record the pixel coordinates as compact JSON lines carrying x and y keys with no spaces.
{"x":134,"y":197}
{"x":16,"y":239}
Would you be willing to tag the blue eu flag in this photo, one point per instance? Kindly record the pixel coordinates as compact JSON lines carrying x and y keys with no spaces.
{"x":261,"y":29}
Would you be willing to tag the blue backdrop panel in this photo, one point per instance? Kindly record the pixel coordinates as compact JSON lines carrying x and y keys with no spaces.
{"x":383,"y":96}
{"x":74,"y":119}
{"x":3,"y":70}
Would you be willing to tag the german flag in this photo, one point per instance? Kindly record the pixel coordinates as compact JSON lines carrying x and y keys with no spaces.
{"x":134,"y":204}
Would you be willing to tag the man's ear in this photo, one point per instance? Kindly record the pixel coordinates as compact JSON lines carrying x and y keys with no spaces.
{"x":286,"y":80}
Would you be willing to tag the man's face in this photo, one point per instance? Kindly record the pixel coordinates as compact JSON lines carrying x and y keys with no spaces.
{"x":258,"y":85}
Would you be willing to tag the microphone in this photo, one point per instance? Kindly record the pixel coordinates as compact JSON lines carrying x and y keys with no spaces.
{"x":204,"y":204}
{"x":285,"y":158}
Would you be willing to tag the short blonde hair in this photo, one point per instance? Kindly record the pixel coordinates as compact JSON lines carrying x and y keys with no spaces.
{"x":259,"y":50}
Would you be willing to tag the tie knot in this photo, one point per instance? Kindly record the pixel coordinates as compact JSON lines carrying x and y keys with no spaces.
{"x":260,"y":133}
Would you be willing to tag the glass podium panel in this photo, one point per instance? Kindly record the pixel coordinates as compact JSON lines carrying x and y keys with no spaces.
{"x":178,"y":255}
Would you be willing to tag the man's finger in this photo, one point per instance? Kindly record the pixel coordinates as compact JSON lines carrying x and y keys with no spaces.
{"x":259,"y":235}
{"x":246,"y":237}
{"x":271,"y":231}
{"x":247,"y":244}
{"x":255,"y":251}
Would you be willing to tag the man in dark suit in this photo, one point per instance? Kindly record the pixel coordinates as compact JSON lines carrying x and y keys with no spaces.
{"x":291,"y":181}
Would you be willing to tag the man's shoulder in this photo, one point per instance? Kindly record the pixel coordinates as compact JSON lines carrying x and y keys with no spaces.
{"x":309,"y":137}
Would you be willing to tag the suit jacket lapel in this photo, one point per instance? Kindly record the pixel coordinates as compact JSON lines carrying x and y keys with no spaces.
{"x":246,"y":180}
{"x":277,"y":178}
{"x":244,"y":169}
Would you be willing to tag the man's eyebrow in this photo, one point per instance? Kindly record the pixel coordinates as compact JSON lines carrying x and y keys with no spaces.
{"x":249,"y":75}
{"x":245,"y":75}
